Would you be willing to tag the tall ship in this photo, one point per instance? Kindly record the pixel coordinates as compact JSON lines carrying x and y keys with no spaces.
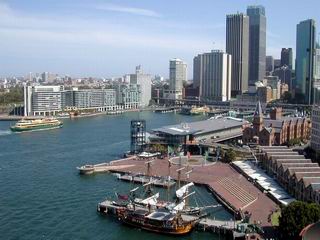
{"x":167,"y":218}
{"x":149,"y":213}
{"x":36,"y":124}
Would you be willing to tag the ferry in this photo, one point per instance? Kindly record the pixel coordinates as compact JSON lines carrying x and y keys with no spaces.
{"x":36,"y":124}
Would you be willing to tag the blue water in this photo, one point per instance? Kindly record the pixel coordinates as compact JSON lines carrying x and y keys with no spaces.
{"x":42,"y":196}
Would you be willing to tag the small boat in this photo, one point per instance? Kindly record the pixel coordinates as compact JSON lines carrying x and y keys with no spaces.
{"x":36,"y":124}
{"x":86,"y":170}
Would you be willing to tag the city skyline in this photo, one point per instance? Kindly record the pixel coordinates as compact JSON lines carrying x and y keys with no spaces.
{"x":107,"y":39}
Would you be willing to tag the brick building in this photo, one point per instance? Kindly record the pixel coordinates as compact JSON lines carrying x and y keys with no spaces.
{"x":298,"y":175}
{"x":275,"y":130}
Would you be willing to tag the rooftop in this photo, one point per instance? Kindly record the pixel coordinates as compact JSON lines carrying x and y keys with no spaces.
{"x":201,"y":127}
{"x":292,"y":170}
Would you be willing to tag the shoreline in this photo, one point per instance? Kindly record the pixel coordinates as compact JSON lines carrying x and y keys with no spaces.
{"x":6,"y":117}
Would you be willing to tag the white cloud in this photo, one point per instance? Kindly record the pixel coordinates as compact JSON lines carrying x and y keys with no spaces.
{"x":67,"y":37}
{"x":130,"y":10}
{"x":39,"y":29}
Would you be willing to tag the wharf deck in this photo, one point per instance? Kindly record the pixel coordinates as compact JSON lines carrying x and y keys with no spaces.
{"x":205,"y":224}
{"x":239,"y":196}
{"x":159,"y":182}
{"x":105,"y":167}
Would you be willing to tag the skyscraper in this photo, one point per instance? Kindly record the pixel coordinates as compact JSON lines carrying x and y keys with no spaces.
{"x":305,"y":47}
{"x":286,"y":57}
{"x":237,"y":44}
{"x":212,"y":75}
{"x":177,"y":75}
{"x":317,"y":65}
{"x":144,"y":80}
{"x":269,"y":64}
{"x":257,"y":43}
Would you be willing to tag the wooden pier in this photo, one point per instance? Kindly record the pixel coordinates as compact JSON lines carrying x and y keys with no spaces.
{"x":156,"y":181}
{"x":226,"y":184}
{"x":104,"y":167}
{"x":226,"y":228}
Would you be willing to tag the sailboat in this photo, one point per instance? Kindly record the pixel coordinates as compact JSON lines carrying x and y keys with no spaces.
{"x":158,"y":219}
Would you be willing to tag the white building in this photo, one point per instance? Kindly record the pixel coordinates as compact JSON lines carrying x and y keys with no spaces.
{"x":42,"y":100}
{"x":144,"y":80}
{"x":212,"y":75}
{"x":177,"y":75}
{"x":315,"y":131}
{"x":50,"y":100}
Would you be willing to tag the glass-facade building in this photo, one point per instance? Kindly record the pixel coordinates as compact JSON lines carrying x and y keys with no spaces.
{"x":305,"y":47}
{"x":257,"y":43}
{"x":237,"y":44}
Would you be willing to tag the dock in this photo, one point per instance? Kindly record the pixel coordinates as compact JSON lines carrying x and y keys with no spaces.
{"x":108,"y":207}
{"x":156,"y":181}
{"x":229,"y":187}
{"x":104,"y":167}
{"x":165,"y":109}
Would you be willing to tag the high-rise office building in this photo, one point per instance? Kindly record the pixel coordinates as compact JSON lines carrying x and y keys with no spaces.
{"x":305,"y":47}
{"x":269,"y":64}
{"x":44,"y":77}
{"x":237,"y":44}
{"x":144,"y":80}
{"x":286,"y":57}
{"x":257,"y":43}
{"x":177,"y":75}
{"x":317,"y":65}
{"x":276,"y":63}
{"x":212,"y":75}
{"x":316,"y":85}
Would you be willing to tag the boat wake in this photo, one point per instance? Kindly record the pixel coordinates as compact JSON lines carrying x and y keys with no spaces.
{"x":5,"y":132}
{"x":118,"y":143}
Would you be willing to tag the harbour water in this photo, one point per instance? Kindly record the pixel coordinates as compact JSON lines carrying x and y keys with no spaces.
{"x":42,"y":196}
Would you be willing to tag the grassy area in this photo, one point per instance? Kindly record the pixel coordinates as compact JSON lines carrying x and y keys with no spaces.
{"x":275,"y":218}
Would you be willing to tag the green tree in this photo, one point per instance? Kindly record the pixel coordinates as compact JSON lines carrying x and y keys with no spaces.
{"x":229,"y":155}
{"x":287,"y":97}
{"x":295,"y":217}
{"x":159,"y":148}
{"x":294,"y":141}
{"x":15,"y":95}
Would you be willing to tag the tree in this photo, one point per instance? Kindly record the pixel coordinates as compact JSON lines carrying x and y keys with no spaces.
{"x":159,"y":148}
{"x":229,"y":155}
{"x":294,"y":141}
{"x":15,"y":95}
{"x":287,"y":97}
{"x":295,"y":217}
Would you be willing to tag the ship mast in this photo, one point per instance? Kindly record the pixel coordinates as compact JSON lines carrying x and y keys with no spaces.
{"x":169,"y":178}
{"x":179,"y":176}
{"x":188,"y":176}
{"x":148,"y":186}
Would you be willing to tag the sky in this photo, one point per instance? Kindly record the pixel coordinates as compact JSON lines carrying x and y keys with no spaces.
{"x":104,"y":38}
